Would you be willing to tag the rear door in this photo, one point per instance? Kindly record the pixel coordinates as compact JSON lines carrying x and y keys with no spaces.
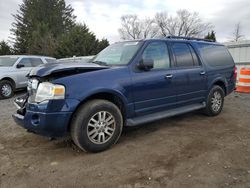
{"x":191,"y":84}
{"x":154,"y":90}
{"x":36,"y":62}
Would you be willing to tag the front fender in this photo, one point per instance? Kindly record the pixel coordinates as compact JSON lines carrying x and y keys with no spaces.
{"x":8,"y":77}
{"x":105,"y":90}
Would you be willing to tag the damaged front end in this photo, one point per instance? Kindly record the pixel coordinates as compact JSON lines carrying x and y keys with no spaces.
{"x":20,"y":103}
{"x":44,"y":109}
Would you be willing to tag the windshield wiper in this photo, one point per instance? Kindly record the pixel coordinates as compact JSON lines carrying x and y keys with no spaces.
{"x":100,"y":63}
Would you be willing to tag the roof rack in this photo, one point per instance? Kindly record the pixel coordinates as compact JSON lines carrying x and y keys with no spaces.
{"x":190,"y":38}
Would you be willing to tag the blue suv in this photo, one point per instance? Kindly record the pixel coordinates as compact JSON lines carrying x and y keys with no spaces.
{"x":128,"y":83}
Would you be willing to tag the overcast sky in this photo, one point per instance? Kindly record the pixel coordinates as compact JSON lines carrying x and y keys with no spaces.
{"x":103,"y":16}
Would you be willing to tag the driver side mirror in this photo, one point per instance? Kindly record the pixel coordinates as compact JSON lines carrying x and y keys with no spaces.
{"x":19,"y":66}
{"x":146,"y":64}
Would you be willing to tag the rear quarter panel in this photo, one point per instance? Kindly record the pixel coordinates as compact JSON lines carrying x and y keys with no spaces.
{"x":224,"y":73}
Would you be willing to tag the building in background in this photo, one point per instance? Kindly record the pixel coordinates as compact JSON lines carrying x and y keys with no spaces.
{"x":240,"y":52}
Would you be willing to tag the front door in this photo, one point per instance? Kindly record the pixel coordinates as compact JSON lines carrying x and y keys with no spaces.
{"x":25,"y":66}
{"x":154,"y":90}
{"x":22,"y":69}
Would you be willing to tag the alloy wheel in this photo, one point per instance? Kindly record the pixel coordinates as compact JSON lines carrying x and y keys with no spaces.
{"x":6,"y":90}
{"x":101,"y":127}
{"x":216,"y":101}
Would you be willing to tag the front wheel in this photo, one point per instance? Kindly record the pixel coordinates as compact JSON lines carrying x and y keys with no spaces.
{"x":215,"y":101}
{"x":6,"y":89}
{"x":96,"y":126}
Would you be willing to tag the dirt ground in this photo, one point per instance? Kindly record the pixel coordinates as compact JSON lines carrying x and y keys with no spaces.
{"x":190,"y":150}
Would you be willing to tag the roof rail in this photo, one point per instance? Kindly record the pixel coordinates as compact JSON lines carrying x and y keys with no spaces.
{"x":190,"y":38}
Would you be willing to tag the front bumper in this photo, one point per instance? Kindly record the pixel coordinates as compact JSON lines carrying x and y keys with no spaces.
{"x":46,"y":124}
{"x":50,"y":119}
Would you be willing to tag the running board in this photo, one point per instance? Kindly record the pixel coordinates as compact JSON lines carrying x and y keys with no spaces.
{"x":160,"y":115}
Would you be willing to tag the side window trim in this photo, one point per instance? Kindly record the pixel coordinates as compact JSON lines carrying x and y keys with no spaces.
{"x":174,"y":64}
{"x":170,"y":53}
{"x":194,"y":53}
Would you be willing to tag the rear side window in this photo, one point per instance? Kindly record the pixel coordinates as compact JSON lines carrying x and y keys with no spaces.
{"x":50,"y":60}
{"x":184,"y":55}
{"x":36,"y":61}
{"x":216,"y":55}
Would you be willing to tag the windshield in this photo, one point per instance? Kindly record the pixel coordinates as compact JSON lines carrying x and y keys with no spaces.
{"x":117,"y":54}
{"x":7,"y":61}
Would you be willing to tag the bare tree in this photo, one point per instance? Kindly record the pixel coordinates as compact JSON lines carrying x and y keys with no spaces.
{"x":167,"y":24}
{"x":134,"y":28}
{"x":148,"y":28}
{"x":130,"y":28}
{"x":237,"y":33}
{"x":184,"y":23}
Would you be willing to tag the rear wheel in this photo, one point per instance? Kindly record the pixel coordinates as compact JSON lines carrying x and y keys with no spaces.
{"x":96,"y":126}
{"x":6,"y":89}
{"x":215,"y":101}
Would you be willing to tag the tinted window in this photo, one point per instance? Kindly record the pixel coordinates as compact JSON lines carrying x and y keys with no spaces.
{"x":158,"y":52}
{"x":36,"y":61}
{"x":216,"y":55}
{"x":182,"y":55}
{"x":26,"y":62}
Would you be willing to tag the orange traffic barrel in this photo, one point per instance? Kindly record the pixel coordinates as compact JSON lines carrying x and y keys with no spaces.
{"x":243,"y":84}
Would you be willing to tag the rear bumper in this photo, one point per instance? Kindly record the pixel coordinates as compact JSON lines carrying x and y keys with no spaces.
{"x":46,"y":124}
{"x":230,"y":88}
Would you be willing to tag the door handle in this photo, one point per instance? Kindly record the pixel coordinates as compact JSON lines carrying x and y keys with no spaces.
{"x":169,"y":76}
{"x":202,"y":73}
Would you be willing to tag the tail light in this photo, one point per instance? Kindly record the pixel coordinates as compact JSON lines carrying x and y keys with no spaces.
{"x":235,"y":72}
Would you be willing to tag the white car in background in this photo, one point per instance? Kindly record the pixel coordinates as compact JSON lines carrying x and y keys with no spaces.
{"x":13,"y":71}
{"x":79,"y":59}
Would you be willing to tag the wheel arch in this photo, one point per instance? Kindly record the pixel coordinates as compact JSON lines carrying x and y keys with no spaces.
{"x":110,"y":96}
{"x":10,"y":80}
{"x":222,"y":84}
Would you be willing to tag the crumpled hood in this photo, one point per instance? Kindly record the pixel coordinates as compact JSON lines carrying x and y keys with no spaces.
{"x":57,"y":68}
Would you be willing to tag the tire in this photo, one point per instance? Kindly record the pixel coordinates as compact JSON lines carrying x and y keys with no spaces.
{"x":215,"y":101}
{"x":86,"y":127}
{"x":6,"y":89}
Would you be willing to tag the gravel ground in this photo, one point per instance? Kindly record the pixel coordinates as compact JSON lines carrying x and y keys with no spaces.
{"x":190,"y":150}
